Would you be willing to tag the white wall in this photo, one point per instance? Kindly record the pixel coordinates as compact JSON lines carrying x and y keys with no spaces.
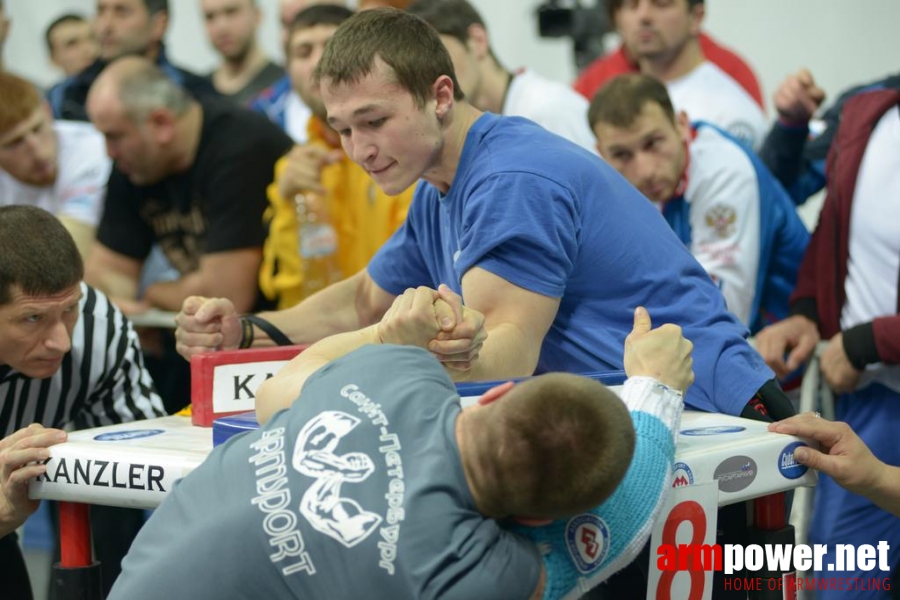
{"x":842,"y":41}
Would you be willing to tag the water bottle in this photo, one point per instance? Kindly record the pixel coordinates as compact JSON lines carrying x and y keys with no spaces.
{"x":318,"y":243}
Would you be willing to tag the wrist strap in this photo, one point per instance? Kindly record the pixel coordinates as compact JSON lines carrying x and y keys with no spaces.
{"x":275,"y":334}
{"x":247,"y":334}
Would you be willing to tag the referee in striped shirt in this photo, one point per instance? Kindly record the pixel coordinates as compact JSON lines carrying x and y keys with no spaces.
{"x":66,"y":353}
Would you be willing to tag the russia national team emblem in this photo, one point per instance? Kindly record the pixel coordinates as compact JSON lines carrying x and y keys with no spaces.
{"x":587,"y":538}
{"x":681,"y":475}
{"x":721,"y":218}
{"x":788,"y":465}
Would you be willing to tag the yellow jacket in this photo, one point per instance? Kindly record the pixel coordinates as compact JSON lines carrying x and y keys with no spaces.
{"x":363,"y":216}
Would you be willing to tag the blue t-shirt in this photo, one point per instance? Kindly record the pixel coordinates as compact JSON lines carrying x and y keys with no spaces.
{"x":356,"y":491}
{"x":552,"y":218}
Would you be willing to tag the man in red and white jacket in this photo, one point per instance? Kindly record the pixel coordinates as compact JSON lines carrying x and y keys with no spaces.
{"x":847,"y":293}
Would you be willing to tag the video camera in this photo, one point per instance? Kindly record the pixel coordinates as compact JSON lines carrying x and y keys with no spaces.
{"x":585,"y":25}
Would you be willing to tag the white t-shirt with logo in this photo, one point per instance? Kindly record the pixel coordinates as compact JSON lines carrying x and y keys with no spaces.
{"x":709,"y":94}
{"x":723,"y":192}
{"x":80,"y":187}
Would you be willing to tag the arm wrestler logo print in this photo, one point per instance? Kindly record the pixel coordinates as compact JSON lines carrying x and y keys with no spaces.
{"x":315,"y":455}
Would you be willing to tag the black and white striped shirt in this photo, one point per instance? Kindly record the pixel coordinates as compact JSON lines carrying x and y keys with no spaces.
{"x":102,"y":380}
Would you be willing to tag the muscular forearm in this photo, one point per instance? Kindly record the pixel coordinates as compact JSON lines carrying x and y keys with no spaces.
{"x":169,"y":295}
{"x":336,"y":309}
{"x":113,"y":284}
{"x":281,"y":390}
{"x":507,"y":352}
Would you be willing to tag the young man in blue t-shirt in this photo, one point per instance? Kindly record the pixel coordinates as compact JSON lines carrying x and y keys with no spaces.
{"x":552,"y":245}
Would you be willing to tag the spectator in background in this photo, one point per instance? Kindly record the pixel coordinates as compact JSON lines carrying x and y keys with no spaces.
{"x":124,"y":27}
{"x":59,"y":166}
{"x":490,"y":87}
{"x":71,"y":43}
{"x":189,"y":175}
{"x":718,"y":197}
{"x":288,"y":10}
{"x":623,"y":60}
{"x":663,"y":38}
{"x":245,"y":70}
{"x":280,"y":102}
{"x":66,"y":355}
{"x":794,"y":153}
{"x":363,"y":216}
{"x":847,"y":293}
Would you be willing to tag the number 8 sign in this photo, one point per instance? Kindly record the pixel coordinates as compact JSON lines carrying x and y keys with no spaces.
{"x":688,"y":517}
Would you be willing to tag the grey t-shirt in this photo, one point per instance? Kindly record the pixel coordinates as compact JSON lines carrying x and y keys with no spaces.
{"x":356,"y":491}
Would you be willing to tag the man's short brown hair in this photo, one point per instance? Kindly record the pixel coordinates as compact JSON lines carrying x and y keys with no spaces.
{"x":318,"y":14}
{"x":406,"y":43}
{"x":18,"y":100}
{"x":622,"y":100}
{"x":449,"y":17}
{"x":613,"y":6}
{"x":558,"y":445}
{"x":39,"y":255}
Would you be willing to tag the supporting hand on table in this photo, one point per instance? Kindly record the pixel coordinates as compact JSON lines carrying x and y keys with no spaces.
{"x":19,"y":456}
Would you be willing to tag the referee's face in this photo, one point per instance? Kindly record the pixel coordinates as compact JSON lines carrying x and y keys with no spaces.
{"x":36,"y":331}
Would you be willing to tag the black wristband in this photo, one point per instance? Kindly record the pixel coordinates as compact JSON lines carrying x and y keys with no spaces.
{"x":860,"y":346}
{"x":275,"y":334}
{"x":805,"y":307}
{"x":769,"y":404}
{"x":247,"y":333}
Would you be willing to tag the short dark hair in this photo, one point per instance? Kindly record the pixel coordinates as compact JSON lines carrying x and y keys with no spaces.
{"x":66,"y":18}
{"x":534,"y":445}
{"x":622,"y":100}
{"x":319,"y":14}
{"x":449,"y":17}
{"x":19,"y":98}
{"x":39,"y":254}
{"x":407,"y":44}
{"x":156,"y":6}
{"x":613,"y":6}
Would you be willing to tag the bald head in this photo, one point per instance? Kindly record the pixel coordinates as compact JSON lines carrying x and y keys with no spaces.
{"x":144,"y":117}
{"x":135,"y":86}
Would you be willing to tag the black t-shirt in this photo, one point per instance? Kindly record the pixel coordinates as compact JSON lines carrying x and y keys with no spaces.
{"x":215,"y":206}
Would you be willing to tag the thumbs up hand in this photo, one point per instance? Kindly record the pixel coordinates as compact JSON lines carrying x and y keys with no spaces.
{"x":662,"y":353}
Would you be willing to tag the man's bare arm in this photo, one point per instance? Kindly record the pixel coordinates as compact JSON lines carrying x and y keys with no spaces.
{"x":111,"y":272}
{"x":516,"y":321}
{"x":412,"y":320}
{"x":83,"y":234}
{"x":212,"y":324}
{"x":231,"y":275}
